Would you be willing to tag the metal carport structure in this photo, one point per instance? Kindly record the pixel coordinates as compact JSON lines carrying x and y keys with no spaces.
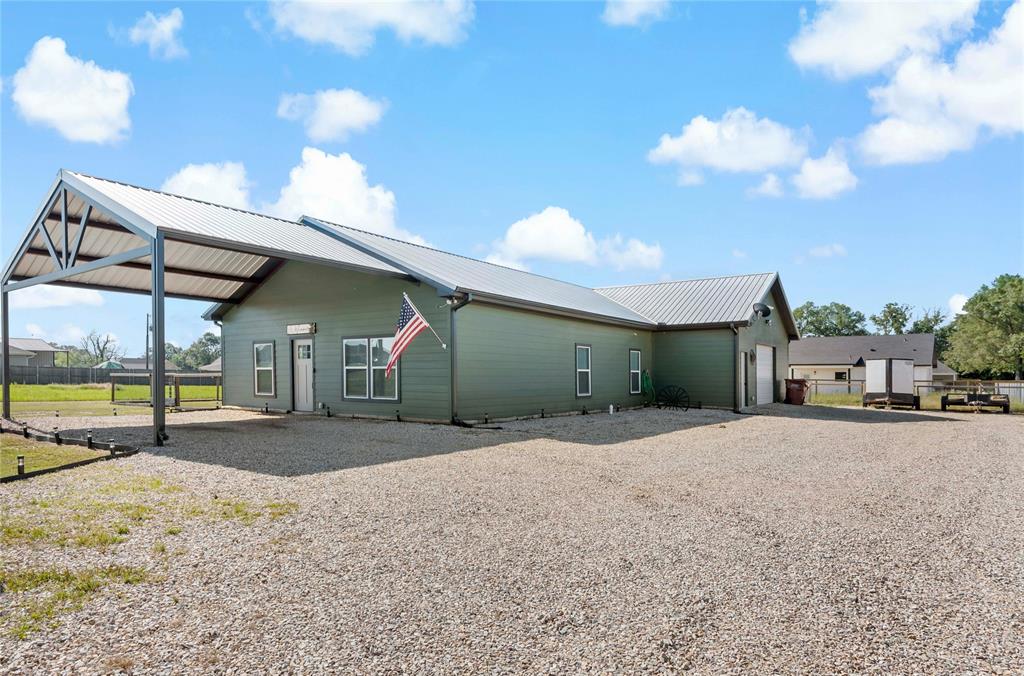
{"x":98,"y":234}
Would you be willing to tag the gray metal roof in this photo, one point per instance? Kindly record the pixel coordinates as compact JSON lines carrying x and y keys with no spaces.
{"x":941,"y":369}
{"x":33,"y":345}
{"x":693,"y":303}
{"x":853,"y":350}
{"x":486,"y":280}
{"x":210,"y":251}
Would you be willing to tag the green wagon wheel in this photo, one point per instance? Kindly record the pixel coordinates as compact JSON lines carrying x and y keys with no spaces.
{"x":674,"y":396}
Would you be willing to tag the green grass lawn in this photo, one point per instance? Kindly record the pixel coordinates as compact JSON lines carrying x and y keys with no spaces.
{"x":38,"y":455}
{"x":99,"y":392}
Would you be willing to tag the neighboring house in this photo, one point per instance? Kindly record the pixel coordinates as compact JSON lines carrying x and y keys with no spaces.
{"x":212,"y":367}
{"x":133,"y":364}
{"x":41,"y":353}
{"x":291,"y":295}
{"x":842,"y":357}
{"x":20,"y":357}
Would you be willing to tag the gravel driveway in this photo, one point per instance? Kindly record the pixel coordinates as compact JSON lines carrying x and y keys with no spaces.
{"x":796,"y":540}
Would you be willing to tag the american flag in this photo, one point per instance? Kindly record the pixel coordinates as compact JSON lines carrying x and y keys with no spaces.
{"x":410,"y":324}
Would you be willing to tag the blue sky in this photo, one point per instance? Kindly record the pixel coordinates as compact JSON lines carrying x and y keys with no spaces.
{"x":599,"y":145}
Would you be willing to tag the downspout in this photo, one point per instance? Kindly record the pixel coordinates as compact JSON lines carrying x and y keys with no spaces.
{"x":454,"y":386}
{"x":736,"y":377}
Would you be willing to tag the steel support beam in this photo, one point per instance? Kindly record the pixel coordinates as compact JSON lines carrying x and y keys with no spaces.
{"x":115,"y":259}
{"x":5,"y":366}
{"x":78,"y":238}
{"x":156,"y":379}
{"x":64,"y":227}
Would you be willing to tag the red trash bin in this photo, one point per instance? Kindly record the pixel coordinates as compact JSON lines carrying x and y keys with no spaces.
{"x":796,"y":389}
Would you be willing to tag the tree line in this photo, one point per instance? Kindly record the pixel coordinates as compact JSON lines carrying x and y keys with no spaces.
{"x":985,"y":341}
{"x":96,"y":348}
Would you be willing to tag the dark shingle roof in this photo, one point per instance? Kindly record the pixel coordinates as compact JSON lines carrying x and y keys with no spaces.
{"x":855,"y":349}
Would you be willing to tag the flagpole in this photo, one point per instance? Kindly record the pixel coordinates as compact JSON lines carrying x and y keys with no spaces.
{"x":406,"y":296}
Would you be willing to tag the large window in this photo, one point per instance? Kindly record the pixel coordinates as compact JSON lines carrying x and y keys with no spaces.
{"x":634,"y":371}
{"x":263,"y":369}
{"x":363,"y":363}
{"x":582,"y":370}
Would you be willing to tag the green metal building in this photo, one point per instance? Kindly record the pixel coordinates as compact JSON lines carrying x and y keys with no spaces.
{"x":308,"y":311}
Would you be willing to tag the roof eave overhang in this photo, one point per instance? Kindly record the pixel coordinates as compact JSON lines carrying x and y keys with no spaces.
{"x":443,"y":287}
{"x":493,"y":299}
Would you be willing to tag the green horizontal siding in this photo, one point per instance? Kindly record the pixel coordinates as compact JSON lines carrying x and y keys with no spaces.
{"x":773,"y":334}
{"x":343,"y":304}
{"x":514,"y":363}
{"x":700,"y":361}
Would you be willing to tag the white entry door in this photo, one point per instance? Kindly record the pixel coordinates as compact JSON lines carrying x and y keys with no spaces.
{"x":302,"y":374}
{"x":765,"y":374}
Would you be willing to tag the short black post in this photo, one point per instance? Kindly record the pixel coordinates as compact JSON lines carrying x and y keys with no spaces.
{"x":88,"y":438}
{"x":486,"y":418}
{"x":24,"y":431}
{"x":397,"y":416}
{"x":115,"y":410}
{"x":56,"y":435}
{"x":328,"y":411}
{"x":584,"y":410}
{"x":56,"y":414}
{"x":542,"y":413}
{"x":21,"y":464}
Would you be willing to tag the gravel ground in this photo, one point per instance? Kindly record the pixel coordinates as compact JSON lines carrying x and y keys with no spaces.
{"x":798,"y":540}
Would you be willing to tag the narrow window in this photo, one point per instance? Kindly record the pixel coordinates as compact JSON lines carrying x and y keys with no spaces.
{"x":380,"y":386}
{"x":634,"y":371}
{"x":582,"y":370}
{"x":263,"y":367}
{"x":354,"y":362}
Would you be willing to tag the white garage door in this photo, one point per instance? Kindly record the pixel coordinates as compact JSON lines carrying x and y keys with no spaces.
{"x":765,"y":374}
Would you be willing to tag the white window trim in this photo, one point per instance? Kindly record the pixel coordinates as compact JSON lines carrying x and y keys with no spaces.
{"x":272,"y":368}
{"x":590,"y":376}
{"x":345,"y":368}
{"x":638,"y":371}
{"x":369,"y":368}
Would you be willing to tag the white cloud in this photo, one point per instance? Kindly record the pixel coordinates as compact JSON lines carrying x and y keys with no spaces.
{"x":634,"y":12}
{"x":554,"y":235}
{"x":47,"y":296}
{"x":331,"y":114}
{"x":77,"y":98}
{"x":848,"y":39}
{"x":932,"y":108}
{"x":739,"y":253}
{"x":221,"y":183}
{"x":825,"y":177}
{"x":351,"y":27}
{"x":771,"y":186}
{"x":956,"y":303}
{"x":828,"y":251}
{"x":335,"y":188}
{"x":739,"y":142}
{"x":160,"y":33}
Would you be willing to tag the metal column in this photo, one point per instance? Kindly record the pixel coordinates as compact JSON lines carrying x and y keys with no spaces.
{"x":157,"y":377}
{"x":5,"y":331}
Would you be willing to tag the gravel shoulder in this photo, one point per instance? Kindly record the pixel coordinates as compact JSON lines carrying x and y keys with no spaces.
{"x":798,"y":539}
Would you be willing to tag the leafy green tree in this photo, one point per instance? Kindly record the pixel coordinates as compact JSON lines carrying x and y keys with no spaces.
{"x":834,"y":319}
{"x":942,"y":335}
{"x":893,"y":318}
{"x":989,"y":336}
{"x":175,"y":355}
{"x":202,"y":351}
{"x":928,"y":322}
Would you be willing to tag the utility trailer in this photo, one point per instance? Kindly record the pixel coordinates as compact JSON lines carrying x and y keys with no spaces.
{"x":976,"y":400}
{"x":890,"y":382}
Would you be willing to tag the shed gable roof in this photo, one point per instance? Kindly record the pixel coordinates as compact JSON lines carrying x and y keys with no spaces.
{"x":695,"y":303}
{"x":853,"y":350}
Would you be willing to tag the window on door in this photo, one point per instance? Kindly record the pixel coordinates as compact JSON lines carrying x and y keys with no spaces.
{"x":634,"y":371}
{"x":364,"y":362}
{"x":263,"y":369}
{"x":582,"y":370}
